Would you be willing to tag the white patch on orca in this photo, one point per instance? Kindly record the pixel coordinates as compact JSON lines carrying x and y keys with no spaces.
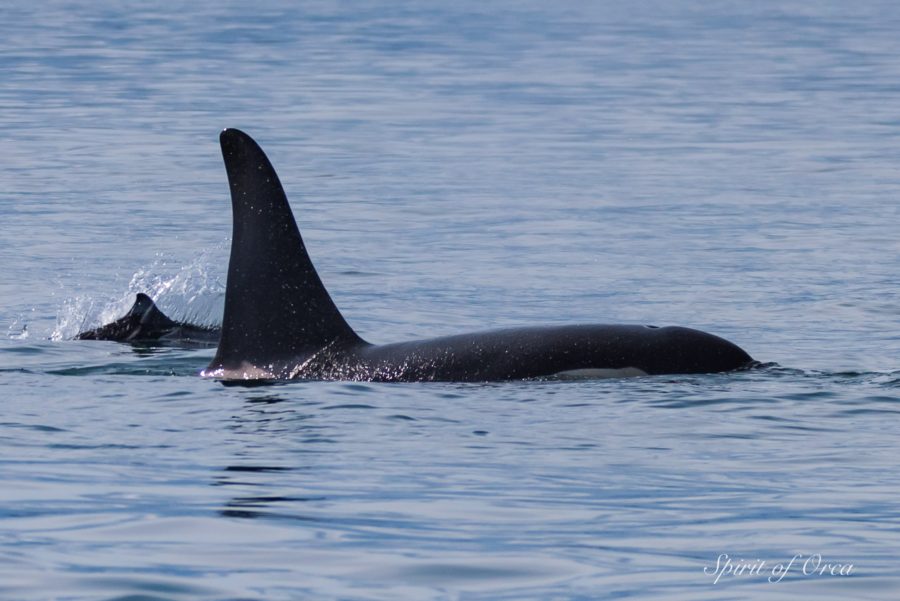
{"x":600,"y":372}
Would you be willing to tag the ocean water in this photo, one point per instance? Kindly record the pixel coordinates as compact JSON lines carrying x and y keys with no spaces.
{"x":733,"y":167}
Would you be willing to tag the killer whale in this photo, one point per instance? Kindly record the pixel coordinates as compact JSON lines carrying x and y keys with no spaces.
{"x":144,"y":322}
{"x":281,"y":323}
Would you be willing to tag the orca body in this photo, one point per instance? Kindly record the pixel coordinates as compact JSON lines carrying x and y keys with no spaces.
{"x":144,"y":322}
{"x":280,"y":322}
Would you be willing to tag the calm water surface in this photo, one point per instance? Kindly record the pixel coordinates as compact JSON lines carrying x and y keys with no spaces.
{"x":730,"y":167}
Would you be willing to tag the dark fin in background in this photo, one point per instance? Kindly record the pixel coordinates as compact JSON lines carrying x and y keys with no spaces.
{"x":143,"y":320}
{"x":276,"y":307}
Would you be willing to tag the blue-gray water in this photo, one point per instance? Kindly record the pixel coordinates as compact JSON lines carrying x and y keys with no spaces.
{"x":733,"y":167}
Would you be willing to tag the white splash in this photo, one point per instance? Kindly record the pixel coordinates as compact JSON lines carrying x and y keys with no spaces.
{"x":192,"y":292}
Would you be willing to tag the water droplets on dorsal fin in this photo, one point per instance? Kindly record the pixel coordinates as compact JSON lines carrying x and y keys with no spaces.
{"x":276,"y":307}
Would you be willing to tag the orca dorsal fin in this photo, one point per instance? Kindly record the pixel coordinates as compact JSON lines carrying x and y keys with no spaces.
{"x":276,"y":307}
{"x":145,"y":309}
{"x":142,"y":304}
{"x":143,"y":320}
{"x":148,"y":315}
